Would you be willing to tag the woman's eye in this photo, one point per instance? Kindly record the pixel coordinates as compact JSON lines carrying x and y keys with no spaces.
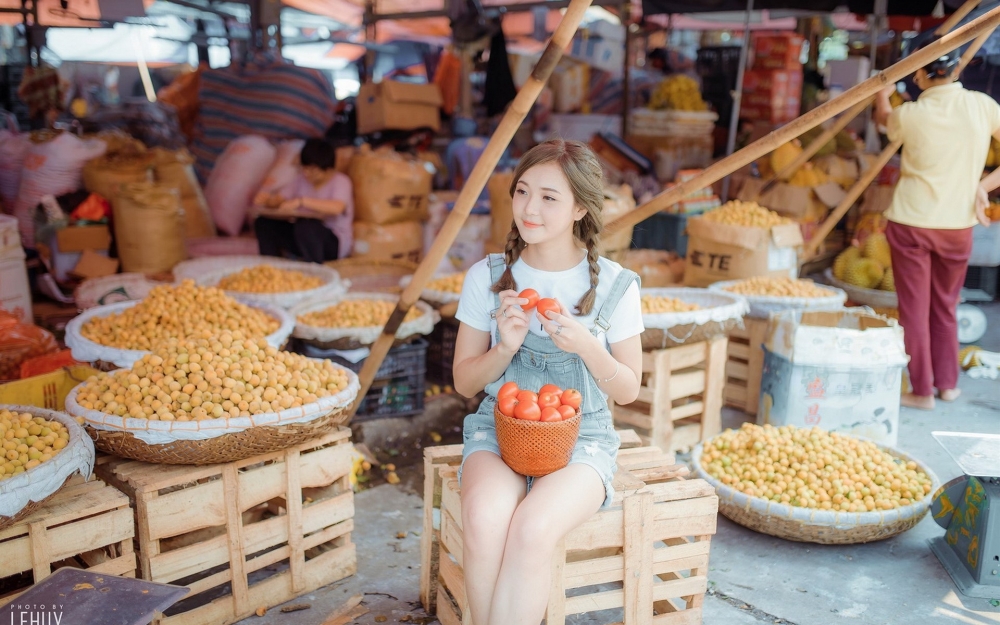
{"x":521,"y":192}
{"x":549,"y":198}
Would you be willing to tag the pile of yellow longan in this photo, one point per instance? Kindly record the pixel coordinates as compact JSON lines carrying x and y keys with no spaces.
{"x":355,"y":313}
{"x":812,"y":468}
{"x":449,"y":284}
{"x":181,"y":311}
{"x":653,"y":304}
{"x":779,"y":286}
{"x":28,"y":441}
{"x":269,"y":279}
{"x":214,"y":377}
{"x":747,"y":214}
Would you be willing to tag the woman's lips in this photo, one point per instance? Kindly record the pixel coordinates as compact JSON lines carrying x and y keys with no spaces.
{"x":529,"y":224}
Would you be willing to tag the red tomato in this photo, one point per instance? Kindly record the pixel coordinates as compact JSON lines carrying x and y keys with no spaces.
{"x":507,"y":405}
{"x":510,"y":388}
{"x":531,"y":295}
{"x":547,"y":400}
{"x":566,"y":412}
{"x":572,"y":398}
{"x":547,"y":305}
{"x":527,"y":396}
{"x":529,"y":411}
{"x":550,"y":388}
{"x":551,"y":414}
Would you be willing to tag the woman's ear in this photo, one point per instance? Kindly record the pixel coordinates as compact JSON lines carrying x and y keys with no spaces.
{"x":578,"y":212}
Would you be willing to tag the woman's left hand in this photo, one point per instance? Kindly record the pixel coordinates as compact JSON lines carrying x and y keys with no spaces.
{"x":567,"y":333}
{"x":982,"y":203}
{"x":291,"y":205}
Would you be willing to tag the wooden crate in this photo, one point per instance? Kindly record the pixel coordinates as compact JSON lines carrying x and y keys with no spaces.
{"x":646,"y":555}
{"x":210,"y":527}
{"x":744,"y":365}
{"x":85,"y":524}
{"x":680,"y":400}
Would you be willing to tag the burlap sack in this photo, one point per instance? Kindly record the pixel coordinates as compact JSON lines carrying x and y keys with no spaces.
{"x":400,"y":241}
{"x":388,"y":187}
{"x":175,"y":169}
{"x":500,"y":206}
{"x":149,"y":227}
{"x":107,"y":174}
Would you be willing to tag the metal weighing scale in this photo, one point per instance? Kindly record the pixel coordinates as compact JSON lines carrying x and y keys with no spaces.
{"x":968,"y":507}
{"x":71,"y":596}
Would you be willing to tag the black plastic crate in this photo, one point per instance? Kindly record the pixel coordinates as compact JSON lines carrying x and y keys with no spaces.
{"x":662,"y":231}
{"x":441,"y":352}
{"x":398,"y":388}
{"x":718,"y":60}
{"x":981,"y":284}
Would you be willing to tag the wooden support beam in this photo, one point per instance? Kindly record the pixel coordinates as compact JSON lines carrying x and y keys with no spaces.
{"x":848,"y":99}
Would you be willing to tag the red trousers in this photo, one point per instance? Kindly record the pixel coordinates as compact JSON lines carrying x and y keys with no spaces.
{"x":929,"y":269}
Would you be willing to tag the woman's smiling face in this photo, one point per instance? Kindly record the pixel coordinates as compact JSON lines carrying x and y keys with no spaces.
{"x":543,"y":204}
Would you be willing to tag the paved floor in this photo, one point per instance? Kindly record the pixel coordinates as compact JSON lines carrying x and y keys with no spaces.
{"x":754,"y":578}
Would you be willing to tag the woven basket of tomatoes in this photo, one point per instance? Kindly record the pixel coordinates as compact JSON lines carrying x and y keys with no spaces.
{"x":537,"y":431}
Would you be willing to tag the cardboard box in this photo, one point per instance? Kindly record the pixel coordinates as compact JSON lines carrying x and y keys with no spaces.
{"x":601,"y":45}
{"x":718,"y":252}
{"x":392,"y":105}
{"x":839,"y":370}
{"x":798,"y":203}
{"x":15,"y":293}
{"x":95,"y":265}
{"x":569,"y":86}
{"x":777,"y":51}
{"x":80,"y":238}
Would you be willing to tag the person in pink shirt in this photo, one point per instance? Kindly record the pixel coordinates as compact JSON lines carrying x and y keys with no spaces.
{"x":312,"y":216}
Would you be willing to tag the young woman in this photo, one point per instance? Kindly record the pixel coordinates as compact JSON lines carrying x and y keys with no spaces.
{"x":512,"y":523}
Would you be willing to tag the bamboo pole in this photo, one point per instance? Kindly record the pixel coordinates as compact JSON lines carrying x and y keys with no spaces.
{"x":849,"y":98}
{"x":957,"y":16}
{"x":477,"y":179}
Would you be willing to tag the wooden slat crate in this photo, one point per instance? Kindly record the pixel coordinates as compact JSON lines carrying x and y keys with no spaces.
{"x":85,"y":524}
{"x":647,"y":555}
{"x":210,"y":527}
{"x":680,"y":400}
{"x":745,"y":365}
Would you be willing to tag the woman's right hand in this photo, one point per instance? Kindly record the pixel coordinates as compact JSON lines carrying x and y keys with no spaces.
{"x":512,"y":320}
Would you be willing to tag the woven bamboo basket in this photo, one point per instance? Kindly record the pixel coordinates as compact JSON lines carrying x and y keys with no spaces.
{"x":824,"y":527}
{"x":535,"y":448}
{"x":8,"y":521}
{"x":381,"y":275}
{"x":718,"y":314}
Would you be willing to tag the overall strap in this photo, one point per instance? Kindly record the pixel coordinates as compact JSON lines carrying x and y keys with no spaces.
{"x":497,"y":266}
{"x":618,"y":288}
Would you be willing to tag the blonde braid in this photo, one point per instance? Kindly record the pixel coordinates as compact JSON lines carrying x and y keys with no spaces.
{"x":511,"y":252}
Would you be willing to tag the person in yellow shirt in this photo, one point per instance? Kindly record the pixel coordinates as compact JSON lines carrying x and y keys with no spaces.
{"x":946,"y":137}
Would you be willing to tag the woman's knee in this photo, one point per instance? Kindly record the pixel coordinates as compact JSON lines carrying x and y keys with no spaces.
{"x":532,"y":536}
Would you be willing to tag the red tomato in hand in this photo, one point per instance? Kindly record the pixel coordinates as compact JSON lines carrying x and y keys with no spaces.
{"x":550,"y":414}
{"x":547,"y":305}
{"x":566,"y":412}
{"x":531,"y":295}
{"x":572,"y":398}
{"x":527,"y":396}
{"x":549,"y":400}
{"x":507,"y":405}
{"x":509,"y":388}
{"x":550,"y":388}
{"x":529,"y":411}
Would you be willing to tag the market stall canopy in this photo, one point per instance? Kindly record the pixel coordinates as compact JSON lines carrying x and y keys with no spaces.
{"x":78,"y":13}
{"x":896,"y":7}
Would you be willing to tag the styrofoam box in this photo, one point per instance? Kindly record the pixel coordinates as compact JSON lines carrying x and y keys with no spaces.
{"x":985,"y":246}
{"x":15,"y":295}
{"x":10,"y":238}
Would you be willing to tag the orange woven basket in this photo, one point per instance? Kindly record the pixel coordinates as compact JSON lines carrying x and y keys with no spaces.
{"x":536,"y":448}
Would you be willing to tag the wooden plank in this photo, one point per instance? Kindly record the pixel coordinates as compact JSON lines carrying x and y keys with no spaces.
{"x":715,"y":382}
{"x":687,"y":384}
{"x":187,"y":510}
{"x":623,"y":415}
{"x":446,"y":611}
{"x":452,"y":578}
{"x":684,"y":617}
{"x":734,"y":393}
{"x":555,"y":611}
{"x":663,"y":379}
{"x":688,"y":526}
{"x":599,"y":531}
{"x":685,"y":411}
{"x":681,"y":490}
{"x":595,"y":571}
{"x":699,"y":506}
{"x":429,"y":547}
{"x":98,"y":531}
{"x":739,"y":351}
{"x":344,"y":528}
{"x":444,"y":454}
{"x":758,"y":334}
{"x":638,"y":582}
{"x":40,"y":559}
{"x":615,"y":598}
{"x":451,"y":538}
{"x":686,"y":435}
{"x":234,"y":534}
{"x":293,"y":515}
{"x":629,"y":439}
{"x":646,"y":395}
{"x":738,"y":370}
{"x":123,"y":566}
{"x":451,"y":501}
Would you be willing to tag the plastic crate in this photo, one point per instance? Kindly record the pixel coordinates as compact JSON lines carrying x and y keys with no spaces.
{"x":441,"y":352}
{"x":398,"y":388}
{"x":48,"y":390}
{"x":981,"y":284}
{"x":662,"y":231}
{"x":718,"y":61}
{"x":985,"y":246}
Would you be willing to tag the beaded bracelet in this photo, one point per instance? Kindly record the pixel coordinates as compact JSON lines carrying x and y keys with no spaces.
{"x":617,"y":366}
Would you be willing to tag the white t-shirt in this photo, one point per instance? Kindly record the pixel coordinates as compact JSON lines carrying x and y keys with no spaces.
{"x":477,"y":301}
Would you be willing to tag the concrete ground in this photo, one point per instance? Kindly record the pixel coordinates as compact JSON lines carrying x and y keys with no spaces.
{"x":753,"y":578}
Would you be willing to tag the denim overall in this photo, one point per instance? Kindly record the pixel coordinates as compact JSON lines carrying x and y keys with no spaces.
{"x":539,"y":362}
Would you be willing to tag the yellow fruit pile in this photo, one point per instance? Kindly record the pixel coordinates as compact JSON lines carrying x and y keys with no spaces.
{"x":355,"y":313}
{"x":779,"y":286}
{"x":785,"y":154}
{"x":808,"y":176}
{"x":868,"y":267}
{"x":993,"y":157}
{"x":678,"y":93}
{"x":811,"y":468}
{"x":177,"y":312}
{"x":28,"y":441}
{"x":269,"y":279}
{"x":746,"y":214}
{"x":652,"y":305}
{"x":226,"y":375}
{"x":449,"y":284}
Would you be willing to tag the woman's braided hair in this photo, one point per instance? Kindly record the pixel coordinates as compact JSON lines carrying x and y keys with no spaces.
{"x":583,"y":172}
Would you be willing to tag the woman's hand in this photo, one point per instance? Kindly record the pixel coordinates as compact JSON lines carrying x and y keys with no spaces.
{"x":512,"y":320}
{"x":567,"y":333}
{"x":290,"y":206}
{"x":982,"y":203}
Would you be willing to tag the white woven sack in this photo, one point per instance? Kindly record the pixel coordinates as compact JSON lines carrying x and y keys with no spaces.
{"x":38,"y":483}
{"x":424,"y":324}
{"x":431,"y":295}
{"x":196,"y":268}
{"x":712,"y":306}
{"x":761,"y":306}
{"x":86,"y":350}
{"x":332,"y":284}
{"x":869,"y":297}
{"x":156,"y":432}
